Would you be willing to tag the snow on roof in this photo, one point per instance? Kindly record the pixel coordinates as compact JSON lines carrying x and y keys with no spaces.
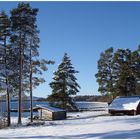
{"x":125,"y":103}
{"x":2,"y":94}
{"x":52,"y":109}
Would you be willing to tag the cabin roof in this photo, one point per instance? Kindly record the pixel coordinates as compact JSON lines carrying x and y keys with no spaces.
{"x":2,"y":94}
{"x":47,"y":107}
{"x":125,"y":103}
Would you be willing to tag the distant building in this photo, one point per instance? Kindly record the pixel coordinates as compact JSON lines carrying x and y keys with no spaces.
{"x":129,"y":105}
{"x":50,"y":113}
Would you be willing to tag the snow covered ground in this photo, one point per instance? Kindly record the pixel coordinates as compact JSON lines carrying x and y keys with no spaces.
{"x":85,"y":125}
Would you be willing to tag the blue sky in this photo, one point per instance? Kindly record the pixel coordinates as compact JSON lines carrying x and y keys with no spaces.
{"x":83,"y":30}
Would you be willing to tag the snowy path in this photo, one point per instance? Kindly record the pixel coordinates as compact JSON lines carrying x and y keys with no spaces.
{"x":84,"y":126}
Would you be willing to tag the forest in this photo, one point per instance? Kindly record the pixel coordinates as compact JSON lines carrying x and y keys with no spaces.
{"x":20,"y":66}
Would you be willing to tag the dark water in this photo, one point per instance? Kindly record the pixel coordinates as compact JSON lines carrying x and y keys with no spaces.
{"x":25,"y":105}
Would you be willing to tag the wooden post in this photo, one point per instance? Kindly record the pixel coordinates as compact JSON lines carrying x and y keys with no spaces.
{"x":135,"y":112}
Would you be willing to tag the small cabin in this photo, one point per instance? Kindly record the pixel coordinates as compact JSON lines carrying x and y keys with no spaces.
{"x":47,"y":112}
{"x":127,"y":105}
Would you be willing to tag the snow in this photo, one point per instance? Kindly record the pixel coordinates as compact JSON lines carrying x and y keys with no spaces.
{"x":85,"y":125}
{"x":52,"y":109}
{"x":125,"y":103}
{"x":92,"y":105}
{"x":2,"y":94}
{"x":3,"y":85}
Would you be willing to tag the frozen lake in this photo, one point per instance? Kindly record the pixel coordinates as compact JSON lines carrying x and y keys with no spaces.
{"x":25,"y":105}
{"x":92,"y":106}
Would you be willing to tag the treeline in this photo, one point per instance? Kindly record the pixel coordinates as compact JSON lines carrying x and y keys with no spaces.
{"x":20,"y":68}
{"x":87,"y":98}
{"x":119,"y":72}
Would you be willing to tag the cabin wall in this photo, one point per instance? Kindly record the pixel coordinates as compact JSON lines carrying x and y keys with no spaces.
{"x":124,"y":112}
{"x":48,"y":115}
{"x":138,"y":109}
{"x":45,"y":114}
{"x":59,"y":115}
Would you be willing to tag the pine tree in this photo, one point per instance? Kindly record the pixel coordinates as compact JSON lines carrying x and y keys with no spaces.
{"x":118,"y":72}
{"x":33,"y":51}
{"x":104,"y":75}
{"x":5,"y":47}
{"x":19,"y":63}
{"x":64,"y":85}
{"x":122,"y":69}
{"x":26,"y":43}
{"x":136,"y":69}
{"x":21,"y":24}
{"x":33,"y":63}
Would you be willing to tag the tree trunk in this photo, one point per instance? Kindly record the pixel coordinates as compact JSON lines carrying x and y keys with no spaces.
{"x":8,"y":108}
{"x":31,"y":96}
{"x":20,"y":86}
{"x":7,"y":90}
{"x":64,"y":91}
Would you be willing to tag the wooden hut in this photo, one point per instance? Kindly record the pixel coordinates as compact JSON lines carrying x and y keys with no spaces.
{"x":50,"y":113}
{"x":128,"y":105}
